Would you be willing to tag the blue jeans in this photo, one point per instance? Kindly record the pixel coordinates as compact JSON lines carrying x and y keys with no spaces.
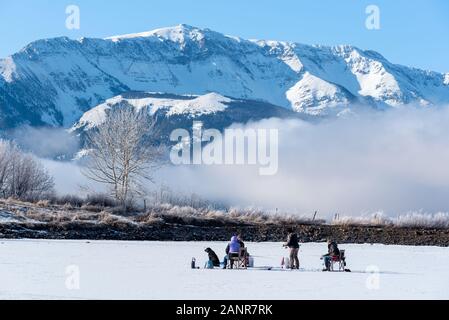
{"x":327,"y":261}
{"x":226,"y":259}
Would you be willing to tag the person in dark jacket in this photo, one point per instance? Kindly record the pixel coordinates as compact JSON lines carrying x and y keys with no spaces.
{"x":242,"y":245}
{"x":213,"y":257}
{"x":239,"y":238}
{"x":293,"y":244}
{"x":332,"y":251}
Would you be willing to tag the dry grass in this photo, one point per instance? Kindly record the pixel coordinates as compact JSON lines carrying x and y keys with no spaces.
{"x":375,"y":219}
{"x":189,"y":215}
{"x":43,"y":203}
{"x":48,"y":212}
{"x":410,"y":220}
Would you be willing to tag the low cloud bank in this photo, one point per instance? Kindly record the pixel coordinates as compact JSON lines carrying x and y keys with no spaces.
{"x":69,"y":179}
{"x":46,"y":142}
{"x":395,"y":162}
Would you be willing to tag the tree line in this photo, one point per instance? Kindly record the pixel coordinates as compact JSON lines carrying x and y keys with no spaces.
{"x":21,"y":175}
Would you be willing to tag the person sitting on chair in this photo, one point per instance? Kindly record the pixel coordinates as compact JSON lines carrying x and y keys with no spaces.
{"x":232,"y":250}
{"x":332,"y":251}
{"x":213,"y":258}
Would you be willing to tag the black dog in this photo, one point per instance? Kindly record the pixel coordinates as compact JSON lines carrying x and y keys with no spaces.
{"x":213,"y":257}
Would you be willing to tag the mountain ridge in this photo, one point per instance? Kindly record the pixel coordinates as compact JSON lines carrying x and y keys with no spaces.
{"x":170,"y":112}
{"x":55,"y":81}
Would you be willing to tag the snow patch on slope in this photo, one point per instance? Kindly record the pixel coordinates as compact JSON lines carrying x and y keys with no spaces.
{"x":7,"y":69}
{"x":311,"y":95}
{"x":206,"y":104}
{"x":374,"y":79}
{"x":95,"y":116}
{"x":285,"y":50}
{"x":179,"y":33}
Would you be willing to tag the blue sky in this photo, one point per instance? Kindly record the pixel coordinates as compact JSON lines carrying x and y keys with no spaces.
{"x":414,"y":33}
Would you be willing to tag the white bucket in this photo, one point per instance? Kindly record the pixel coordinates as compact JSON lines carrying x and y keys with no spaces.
{"x":286,"y":263}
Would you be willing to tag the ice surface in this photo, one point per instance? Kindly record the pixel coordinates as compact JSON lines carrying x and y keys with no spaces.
{"x":161,"y":270}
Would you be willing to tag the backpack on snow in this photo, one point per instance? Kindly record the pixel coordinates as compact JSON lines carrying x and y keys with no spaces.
{"x":209,"y":264}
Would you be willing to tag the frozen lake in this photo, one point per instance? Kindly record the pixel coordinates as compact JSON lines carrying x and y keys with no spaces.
{"x":32,"y":269}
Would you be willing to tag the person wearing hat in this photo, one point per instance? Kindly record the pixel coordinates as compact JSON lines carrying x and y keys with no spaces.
{"x":293,"y":244}
{"x":332,"y":251}
{"x":233,"y":249}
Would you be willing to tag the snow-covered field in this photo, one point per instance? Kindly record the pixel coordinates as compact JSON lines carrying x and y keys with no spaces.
{"x":161,"y":270}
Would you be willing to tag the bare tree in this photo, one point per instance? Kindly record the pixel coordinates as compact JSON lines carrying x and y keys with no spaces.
{"x":29,"y":179}
{"x":121,"y":154}
{"x":21,"y":175}
{"x":5,"y":160}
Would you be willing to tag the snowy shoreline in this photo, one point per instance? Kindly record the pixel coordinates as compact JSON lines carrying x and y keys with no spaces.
{"x":19,"y":220}
{"x":168,"y":232}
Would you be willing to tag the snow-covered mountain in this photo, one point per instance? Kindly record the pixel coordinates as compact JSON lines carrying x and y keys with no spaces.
{"x":179,"y":111}
{"x":54,"y":81}
{"x":192,"y":106}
